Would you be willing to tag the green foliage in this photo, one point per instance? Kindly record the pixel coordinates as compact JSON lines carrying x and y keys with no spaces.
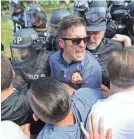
{"x":5,"y":5}
{"x":6,"y":35}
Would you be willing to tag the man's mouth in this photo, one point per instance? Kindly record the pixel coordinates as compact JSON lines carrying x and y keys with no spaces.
{"x":79,"y":53}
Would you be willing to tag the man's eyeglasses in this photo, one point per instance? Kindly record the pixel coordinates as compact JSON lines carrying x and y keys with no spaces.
{"x":77,"y":41}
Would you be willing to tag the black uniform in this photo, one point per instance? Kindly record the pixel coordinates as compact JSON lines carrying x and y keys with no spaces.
{"x":17,"y":9}
{"x":18,"y":20}
{"x":17,"y":108}
{"x":102,"y":53}
{"x":29,"y":58}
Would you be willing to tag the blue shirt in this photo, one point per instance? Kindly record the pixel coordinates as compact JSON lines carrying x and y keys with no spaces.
{"x":88,"y":68}
{"x":82,"y":101}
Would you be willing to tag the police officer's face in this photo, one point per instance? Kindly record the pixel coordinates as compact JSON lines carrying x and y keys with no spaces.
{"x":74,"y":50}
{"x":23,"y":52}
{"x":17,"y":10}
{"x":95,"y":39}
{"x":37,"y":23}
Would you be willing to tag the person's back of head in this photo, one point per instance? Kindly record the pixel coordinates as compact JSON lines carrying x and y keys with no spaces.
{"x":6,"y":73}
{"x":49,"y":100}
{"x":69,"y":22}
{"x":120,"y":67}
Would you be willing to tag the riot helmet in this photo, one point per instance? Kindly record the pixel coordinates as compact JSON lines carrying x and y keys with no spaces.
{"x":24,"y":46}
{"x":118,"y":10}
{"x":130,"y":20}
{"x":35,"y":16}
{"x":16,"y":6}
{"x":96,"y":16}
{"x":80,"y":7}
{"x":57,"y":16}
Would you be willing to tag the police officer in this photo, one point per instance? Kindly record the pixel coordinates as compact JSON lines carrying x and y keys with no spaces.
{"x":29,"y":59}
{"x":116,"y":23}
{"x":36,"y":18}
{"x":17,"y":11}
{"x":98,"y":45}
{"x":57,"y":16}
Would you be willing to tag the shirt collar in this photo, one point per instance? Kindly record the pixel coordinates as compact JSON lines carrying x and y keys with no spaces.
{"x":124,"y":96}
{"x":73,"y":62}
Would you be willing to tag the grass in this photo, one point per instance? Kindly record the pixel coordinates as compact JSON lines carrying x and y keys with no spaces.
{"x":6,"y":35}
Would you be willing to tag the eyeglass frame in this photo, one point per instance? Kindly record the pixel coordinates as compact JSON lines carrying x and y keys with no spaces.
{"x":77,"y":43}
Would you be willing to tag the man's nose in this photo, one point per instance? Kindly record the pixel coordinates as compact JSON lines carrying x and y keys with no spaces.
{"x":92,"y":38}
{"x":82,"y":44}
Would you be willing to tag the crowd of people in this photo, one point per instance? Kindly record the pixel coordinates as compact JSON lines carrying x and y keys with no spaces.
{"x":69,"y":77}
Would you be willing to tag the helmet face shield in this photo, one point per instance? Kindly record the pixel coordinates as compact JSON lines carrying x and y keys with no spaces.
{"x":30,"y":19}
{"x":23,"y":57}
{"x":35,"y":16}
{"x":19,"y":53}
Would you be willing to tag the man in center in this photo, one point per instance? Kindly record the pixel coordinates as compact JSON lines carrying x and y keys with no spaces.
{"x":73,"y":58}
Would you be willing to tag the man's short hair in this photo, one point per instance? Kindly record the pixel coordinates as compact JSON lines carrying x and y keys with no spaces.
{"x":120,"y":67}
{"x":49,"y":100}
{"x":68,"y":22}
{"x":6,"y":72}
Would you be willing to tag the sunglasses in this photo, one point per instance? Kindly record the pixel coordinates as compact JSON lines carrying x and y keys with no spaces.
{"x":77,"y":41}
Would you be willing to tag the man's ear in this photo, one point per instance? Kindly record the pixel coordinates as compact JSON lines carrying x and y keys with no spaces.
{"x":13,"y":74}
{"x":61,"y":43}
{"x":35,"y":117}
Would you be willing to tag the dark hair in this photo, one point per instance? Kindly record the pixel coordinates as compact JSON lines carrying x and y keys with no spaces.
{"x":120,"y":67}
{"x":49,"y":99}
{"x":68,"y":22}
{"x":6,"y":72}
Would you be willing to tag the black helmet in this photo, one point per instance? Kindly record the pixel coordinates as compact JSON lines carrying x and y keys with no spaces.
{"x":25,"y":38}
{"x":96,"y":16}
{"x":118,"y":10}
{"x":130,"y":21}
{"x":23,"y":48}
{"x":57,"y":16}
{"x":15,"y":4}
{"x":34,"y":14}
{"x":80,"y":7}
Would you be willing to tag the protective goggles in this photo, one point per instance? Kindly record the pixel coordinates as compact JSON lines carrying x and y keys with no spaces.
{"x":77,"y":41}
